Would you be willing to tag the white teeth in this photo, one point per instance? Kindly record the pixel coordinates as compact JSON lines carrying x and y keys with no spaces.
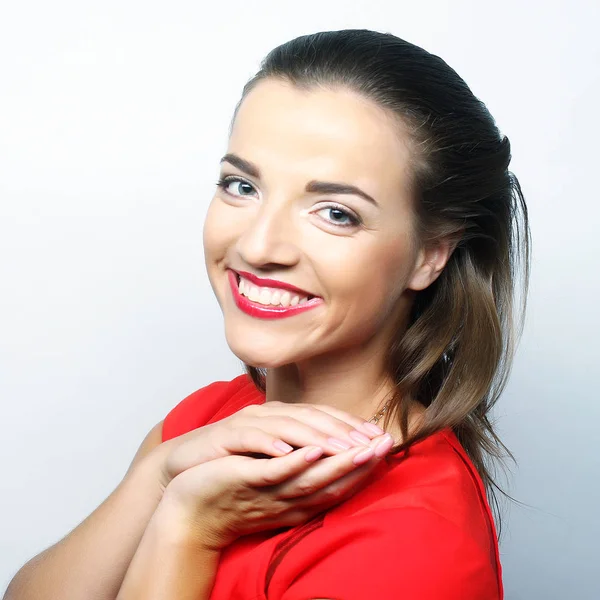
{"x":285,"y":299}
{"x":265,"y":297}
{"x":254,"y":294}
{"x":269,"y":296}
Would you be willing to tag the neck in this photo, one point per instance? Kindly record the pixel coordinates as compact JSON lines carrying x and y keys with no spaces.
{"x":353,"y":379}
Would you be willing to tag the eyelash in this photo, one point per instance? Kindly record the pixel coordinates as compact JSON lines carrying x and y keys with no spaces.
{"x":223,"y":182}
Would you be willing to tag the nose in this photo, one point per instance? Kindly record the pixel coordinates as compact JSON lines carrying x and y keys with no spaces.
{"x":269,"y":240}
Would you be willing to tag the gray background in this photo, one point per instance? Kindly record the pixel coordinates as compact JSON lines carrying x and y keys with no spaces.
{"x":113,"y":116}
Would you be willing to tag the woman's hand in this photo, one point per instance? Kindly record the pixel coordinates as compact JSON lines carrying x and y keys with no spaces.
{"x":271,"y":429}
{"x":212,"y":504}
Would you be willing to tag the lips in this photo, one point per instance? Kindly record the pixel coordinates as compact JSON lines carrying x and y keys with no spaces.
{"x":273,"y":283}
{"x":271,"y":311}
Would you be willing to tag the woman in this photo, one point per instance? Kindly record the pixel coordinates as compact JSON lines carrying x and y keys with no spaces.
{"x":363,"y":244}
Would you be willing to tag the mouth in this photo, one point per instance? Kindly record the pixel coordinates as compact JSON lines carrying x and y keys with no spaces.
{"x":275,"y":300}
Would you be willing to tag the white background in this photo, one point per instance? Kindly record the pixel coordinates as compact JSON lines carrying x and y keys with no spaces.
{"x":113,"y":116}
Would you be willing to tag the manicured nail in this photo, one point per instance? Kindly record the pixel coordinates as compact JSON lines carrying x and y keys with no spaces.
{"x":339,"y":444}
{"x":313,"y":454}
{"x":384,"y":445}
{"x":281,"y":445}
{"x":372,"y":428}
{"x":359,"y":437}
{"x":363,"y":456}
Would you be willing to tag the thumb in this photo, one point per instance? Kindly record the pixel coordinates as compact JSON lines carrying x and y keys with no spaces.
{"x":272,"y":471}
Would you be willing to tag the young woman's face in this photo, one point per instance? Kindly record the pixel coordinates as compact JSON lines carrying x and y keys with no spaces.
{"x":353,"y":256}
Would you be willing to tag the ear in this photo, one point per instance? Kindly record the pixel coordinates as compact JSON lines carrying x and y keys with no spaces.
{"x":430,"y":262}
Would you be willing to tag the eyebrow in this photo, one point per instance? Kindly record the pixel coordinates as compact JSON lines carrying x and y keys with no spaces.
{"x":322,"y":187}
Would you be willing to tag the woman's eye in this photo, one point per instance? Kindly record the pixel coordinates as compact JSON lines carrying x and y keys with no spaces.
{"x":335,"y":215}
{"x":225,"y":182}
{"x":338,"y":216}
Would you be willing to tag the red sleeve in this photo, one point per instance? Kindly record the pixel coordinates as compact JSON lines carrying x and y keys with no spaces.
{"x":400,"y":553}
{"x":195,"y":410}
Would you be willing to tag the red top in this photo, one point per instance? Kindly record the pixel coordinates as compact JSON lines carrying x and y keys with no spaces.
{"x":420,"y":529}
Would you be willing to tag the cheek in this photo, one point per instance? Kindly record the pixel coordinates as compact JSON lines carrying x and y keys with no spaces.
{"x":210,"y":231}
{"x":219,"y":232}
{"x":376,"y":276}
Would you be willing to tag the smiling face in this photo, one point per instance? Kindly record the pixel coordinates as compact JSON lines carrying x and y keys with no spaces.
{"x":276,"y":217}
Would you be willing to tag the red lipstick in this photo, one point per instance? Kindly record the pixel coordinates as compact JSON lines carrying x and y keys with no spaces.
{"x":272,"y":283}
{"x":262,"y":311}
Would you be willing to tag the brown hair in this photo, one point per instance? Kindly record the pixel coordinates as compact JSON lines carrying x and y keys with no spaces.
{"x":455,"y":355}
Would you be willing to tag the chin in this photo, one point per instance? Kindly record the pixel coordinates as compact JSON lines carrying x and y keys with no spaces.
{"x":261,"y":355}
{"x":253,"y":359}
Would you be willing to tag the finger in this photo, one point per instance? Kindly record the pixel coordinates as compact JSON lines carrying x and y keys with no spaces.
{"x":298,"y":433}
{"x":272,"y":471}
{"x":289,"y":518}
{"x":247,"y":439}
{"x":341,"y":489}
{"x":369,"y":429}
{"x":239,"y":440}
{"x":347,"y":431}
{"x":331,"y":469}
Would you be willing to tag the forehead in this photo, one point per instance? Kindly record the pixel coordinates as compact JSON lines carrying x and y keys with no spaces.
{"x":328,"y":132}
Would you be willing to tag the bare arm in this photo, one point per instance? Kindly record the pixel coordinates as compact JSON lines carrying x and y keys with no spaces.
{"x":91,"y":561}
{"x":169,"y":563}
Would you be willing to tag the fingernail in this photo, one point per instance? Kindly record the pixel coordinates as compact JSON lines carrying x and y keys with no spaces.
{"x":313,"y":454}
{"x":363,"y":456}
{"x":339,"y":444}
{"x":372,"y":428}
{"x":281,"y":445}
{"x":359,"y":437}
{"x":384,"y":445}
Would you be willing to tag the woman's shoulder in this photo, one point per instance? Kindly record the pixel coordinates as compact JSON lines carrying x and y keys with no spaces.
{"x":421,"y":527}
{"x":450,"y":485}
{"x":210,"y":403}
{"x":436,"y":476}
